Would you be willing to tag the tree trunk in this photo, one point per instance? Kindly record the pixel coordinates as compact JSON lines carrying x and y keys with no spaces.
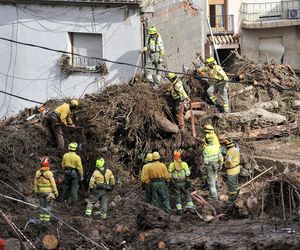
{"x":165,"y":125}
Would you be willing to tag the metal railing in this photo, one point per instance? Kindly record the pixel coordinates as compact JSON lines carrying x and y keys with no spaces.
{"x":269,"y":11}
{"x":222,"y":23}
{"x":82,"y":62}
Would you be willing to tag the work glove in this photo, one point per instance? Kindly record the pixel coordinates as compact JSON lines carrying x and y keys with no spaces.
{"x":56,"y":195}
{"x":145,"y":49}
{"x":50,"y":197}
{"x":160,"y":60}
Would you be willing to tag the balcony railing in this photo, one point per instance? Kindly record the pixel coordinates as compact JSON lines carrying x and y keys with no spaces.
{"x":252,"y":12}
{"x":222,"y":23}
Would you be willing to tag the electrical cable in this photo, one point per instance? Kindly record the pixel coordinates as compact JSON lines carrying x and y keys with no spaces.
{"x":20,"y":97}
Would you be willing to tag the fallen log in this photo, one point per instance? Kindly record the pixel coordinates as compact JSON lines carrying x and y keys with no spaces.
{"x":165,"y":125}
{"x":253,"y":118}
{"x":263,"y":133}
{"x":195,"y":113}
{"x":267,"y":105}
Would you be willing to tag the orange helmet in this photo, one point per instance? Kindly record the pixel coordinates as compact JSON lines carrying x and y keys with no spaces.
{"x":177,"y":155}
{"x":45,"y":162}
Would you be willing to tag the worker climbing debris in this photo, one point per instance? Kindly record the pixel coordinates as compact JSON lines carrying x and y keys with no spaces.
{"x":45,"y":188}
{"x":146,"y":186}
{"x":180,"y":97}
{"x":213,"y":161}
{"x":154,"y":49}
{"x":157,"y":175}
{"x":232,"y":166}
{"x":209,"y":132}
{"x":73,"y":173}
{"x":101,"y":183}
{"x":179,"y":171}
{"x":218,"y":82}
{"x":60,"y":117}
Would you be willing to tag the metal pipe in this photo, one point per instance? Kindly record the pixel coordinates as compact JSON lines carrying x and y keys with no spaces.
{"x":213,"y":41}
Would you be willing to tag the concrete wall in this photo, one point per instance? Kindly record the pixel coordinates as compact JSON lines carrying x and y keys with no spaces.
{"x":291,"y":43}
{"x":182,"y":28}
{"x":36,"y":72}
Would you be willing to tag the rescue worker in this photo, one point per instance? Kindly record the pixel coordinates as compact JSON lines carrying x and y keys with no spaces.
{"x":180,"y":97}
{"x":218,"y":83}
{"x":45,"y":188}
{"x":60,"y":117}
{"x":232,"y":165}
{"x":146,"y":187}
{"x":179,"y":171}
{"x":213,"y":161}
{"x":154,"y":49}
{"x":209,"y":132}
{"x":101,"y":182}
{"x":73,"y":172}
{"x":157,"y":175}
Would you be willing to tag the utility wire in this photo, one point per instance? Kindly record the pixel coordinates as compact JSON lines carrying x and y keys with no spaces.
{"x":123,"y":63}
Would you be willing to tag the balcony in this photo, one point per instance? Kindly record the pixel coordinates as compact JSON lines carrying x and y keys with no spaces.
{"x":269,"y":15}
{"x":222,"y":24}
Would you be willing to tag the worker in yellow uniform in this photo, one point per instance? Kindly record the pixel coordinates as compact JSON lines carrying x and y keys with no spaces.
{"x":101,"y":183}
{"x":218,"y":83}
{"x":154,"y":49}
{"x":232,"y":165}
{"x":209,"y":132}
{"x":73,"y":173}
{"x":180,"y":98}
{"x":157,"y":175}
{"x":60,"y":117}
{"x":179,"y":171}
{"x":146,"y":187}
{"x":45,"y":188}
{"x":213,"y":160}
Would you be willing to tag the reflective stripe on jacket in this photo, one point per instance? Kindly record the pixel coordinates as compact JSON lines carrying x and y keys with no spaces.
{"x":177,"y":91}
{"x":98,"y":178}
{"x":215,"y":139}
{"x":212,"y":154}
{"x":155,"y":170}
{"x":216,"y":72}
{"x":232,"y":161}
{"x":72,"y":160}
{"x":44,"y":182}
{"x":64,"y":113}
{"x":179,"y":170}
{"x":155,"y":44}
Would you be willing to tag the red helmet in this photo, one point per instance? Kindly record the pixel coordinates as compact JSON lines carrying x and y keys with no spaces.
{"x":177,"y":155}
{"x":45,"y":162}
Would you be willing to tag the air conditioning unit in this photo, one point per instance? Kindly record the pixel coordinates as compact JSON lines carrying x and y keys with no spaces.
{"x":294,"y":14}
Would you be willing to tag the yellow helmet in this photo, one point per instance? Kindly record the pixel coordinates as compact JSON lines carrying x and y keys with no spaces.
{"x":152,"y":30}
{"x":208,"y":128}
{"x":171,"y":75}
{"x":156,"y":156}
{"x":229,"y":144}
{"x":100,"y":163}
{"x":73,"y":146}
{"x":149,"y":157}
{"x":74,"y":103}
{"x":210,"y":60}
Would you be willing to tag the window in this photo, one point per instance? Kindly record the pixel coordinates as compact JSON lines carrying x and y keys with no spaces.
{"x":86,"y":44}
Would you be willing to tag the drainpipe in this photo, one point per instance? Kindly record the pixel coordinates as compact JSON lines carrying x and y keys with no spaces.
{"x":213,"y":41}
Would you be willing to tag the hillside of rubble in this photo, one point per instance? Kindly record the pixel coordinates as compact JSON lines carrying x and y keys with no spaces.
{"x":125,"y":122}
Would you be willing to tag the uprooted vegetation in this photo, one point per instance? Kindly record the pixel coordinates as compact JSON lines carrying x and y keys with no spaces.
{"x":122,"y":125}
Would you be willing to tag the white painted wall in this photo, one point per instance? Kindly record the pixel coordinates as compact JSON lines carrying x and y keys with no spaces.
{"x":36,"y":71}
{"x":233,"y":7}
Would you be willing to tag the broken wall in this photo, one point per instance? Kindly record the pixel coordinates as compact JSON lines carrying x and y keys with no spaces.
{"x":182,"y":26}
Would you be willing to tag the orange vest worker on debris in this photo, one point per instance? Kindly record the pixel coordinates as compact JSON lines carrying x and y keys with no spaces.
{"x":55,"y":120}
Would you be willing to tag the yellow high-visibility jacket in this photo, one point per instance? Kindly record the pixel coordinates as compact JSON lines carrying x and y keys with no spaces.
{"x":154,"y":170}
{"x":232,"y":161}
{"x":64,"y":113}
{"x":177,"y":91}
{"x":216,"y":72}
{"x":98,"y":178}
{"x":212,"y":154}
{"x":155,"y":44}
{"x":44,"y":182}
{"x":143,"y":179}
{"x":72,"y":160}
{"x":179,"y":170}
{"x":215,"y":139}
